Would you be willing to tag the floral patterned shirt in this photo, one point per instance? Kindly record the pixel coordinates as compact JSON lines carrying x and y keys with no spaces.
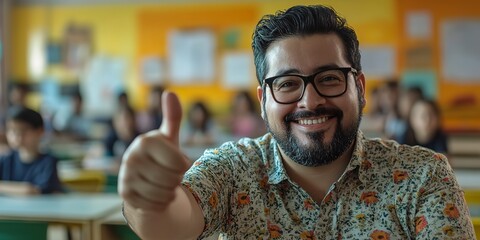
{"x":388,"y":191}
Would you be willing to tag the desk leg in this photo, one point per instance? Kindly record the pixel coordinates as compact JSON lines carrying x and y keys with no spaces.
{"x":86,"y":231}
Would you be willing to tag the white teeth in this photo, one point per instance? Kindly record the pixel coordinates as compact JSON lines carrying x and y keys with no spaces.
{"x":312,"y":121}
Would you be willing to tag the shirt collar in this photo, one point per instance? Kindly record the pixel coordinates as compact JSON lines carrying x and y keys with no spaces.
{"x":277,"y":172}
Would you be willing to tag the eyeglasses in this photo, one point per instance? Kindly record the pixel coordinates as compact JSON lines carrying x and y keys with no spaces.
{"x":289,"y":88}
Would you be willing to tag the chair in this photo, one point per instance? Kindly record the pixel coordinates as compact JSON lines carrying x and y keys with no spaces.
{"x":84,"y":180}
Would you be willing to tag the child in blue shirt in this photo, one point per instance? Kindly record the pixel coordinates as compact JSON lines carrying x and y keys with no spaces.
{"x":25,"y":170}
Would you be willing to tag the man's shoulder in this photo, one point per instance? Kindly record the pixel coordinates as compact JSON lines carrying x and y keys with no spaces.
{"x":394,"y":153}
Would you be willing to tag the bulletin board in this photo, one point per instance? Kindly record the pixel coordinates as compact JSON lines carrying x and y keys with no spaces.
{"x":224,"y":21}
{"x":426,"y":51}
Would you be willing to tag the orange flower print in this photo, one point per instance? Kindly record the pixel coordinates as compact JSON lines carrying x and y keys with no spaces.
{"x":266,"y":211}
{"x":295,"y":218}
{"x":420,"y":223}
{"x":243,"y":199}
{"x":213,"y":200}
{"x":360,"y":217}
{"x":308,"y":235}
{"x":264,"y":182}
{"x":379,"y":235}
{"x":448,"y":230}
{"x":439,"y":156}
{"x":275,"y":231}
{"x":369,"y":197}
{"x":399,"y":175}
{"x":421,"y":191}
{"x":366,"y":164}
{"x":308,"y":204}
{"x":328,"y":197}
{"x":451,"y":211}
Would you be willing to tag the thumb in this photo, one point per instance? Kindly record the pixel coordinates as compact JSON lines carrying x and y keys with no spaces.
{"x":172,"y":116}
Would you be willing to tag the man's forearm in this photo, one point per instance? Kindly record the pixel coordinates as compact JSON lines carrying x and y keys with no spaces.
{"x":182,"y":219}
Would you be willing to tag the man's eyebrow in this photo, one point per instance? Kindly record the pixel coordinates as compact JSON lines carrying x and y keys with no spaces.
{"x":296,"y":71}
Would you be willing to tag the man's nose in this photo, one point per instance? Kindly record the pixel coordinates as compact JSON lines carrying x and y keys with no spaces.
{"x":311,"y":99}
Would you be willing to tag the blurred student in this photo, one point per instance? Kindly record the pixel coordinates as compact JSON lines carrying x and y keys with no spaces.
{"x":72,"y":122}
{"x":394,"y":125}
{"x":244,"y":119}
{"x":199,"y":126}
{"x":25,"y":170}
{"x":122,"y":132}
{"x":373,"y":122}
{"x":424,"y":127}
{"x":152,"y":118}
{"x":18,"y":95}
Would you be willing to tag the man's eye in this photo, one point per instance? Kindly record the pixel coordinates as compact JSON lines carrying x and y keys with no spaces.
{"x":287,"y":85}
{"x":327,"y":80}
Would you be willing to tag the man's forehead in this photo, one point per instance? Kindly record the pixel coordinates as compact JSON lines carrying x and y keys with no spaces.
{"x":304,"y":54}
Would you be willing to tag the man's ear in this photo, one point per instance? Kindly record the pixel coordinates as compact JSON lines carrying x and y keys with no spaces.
{"x":260,"y":100}
{"x":361,"y":86}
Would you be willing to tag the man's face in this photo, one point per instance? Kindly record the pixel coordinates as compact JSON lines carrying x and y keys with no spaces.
{"x":315,"y":130}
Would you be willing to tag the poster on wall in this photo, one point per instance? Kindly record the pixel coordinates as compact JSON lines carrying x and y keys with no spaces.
{"x":418,"y":25}
{"x":152,"y":70}
{"x":191,"y":56}
{"x":378,"y":61}
{"x":237,"y":70}
{"x":102,"y":82}
{"x":460,"y":50}
{"x":77,"y":47}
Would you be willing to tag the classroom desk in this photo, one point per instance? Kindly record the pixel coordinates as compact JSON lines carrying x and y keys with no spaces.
{"x":102,"y":228}
{"x":77,"y":209}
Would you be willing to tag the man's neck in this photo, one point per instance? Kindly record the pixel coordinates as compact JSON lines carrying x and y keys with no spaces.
{"x":317,"y":180}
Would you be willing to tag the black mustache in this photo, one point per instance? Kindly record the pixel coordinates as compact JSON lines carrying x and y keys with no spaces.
{"x":318,"y":112}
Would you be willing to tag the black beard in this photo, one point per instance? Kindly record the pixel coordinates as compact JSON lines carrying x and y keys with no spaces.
{"x":320,"y":154}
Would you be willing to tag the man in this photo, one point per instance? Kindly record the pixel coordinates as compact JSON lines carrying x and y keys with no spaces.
{"x":313,"y":176}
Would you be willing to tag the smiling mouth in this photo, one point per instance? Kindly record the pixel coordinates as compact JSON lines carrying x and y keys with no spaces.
{"x":312,"y":121}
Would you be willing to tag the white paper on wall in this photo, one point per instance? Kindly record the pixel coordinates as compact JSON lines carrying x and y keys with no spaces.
{"x":460,"y":40}
{"x":191,"y":56}
{"x":418,"y":24}
{"x":103,"y":80}
{"x":237,"y":70}
{"x":378,"y":61}
{"x":153,"y":70}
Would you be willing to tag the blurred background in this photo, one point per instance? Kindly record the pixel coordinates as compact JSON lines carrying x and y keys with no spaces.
{"x":105,"y":51}
{"x":95,"y":70}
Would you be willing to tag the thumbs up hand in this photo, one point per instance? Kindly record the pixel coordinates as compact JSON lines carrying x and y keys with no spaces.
{"x":153,"y":167}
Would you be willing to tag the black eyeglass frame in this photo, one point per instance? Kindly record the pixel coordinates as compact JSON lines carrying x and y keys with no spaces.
{"x":309,"y":79}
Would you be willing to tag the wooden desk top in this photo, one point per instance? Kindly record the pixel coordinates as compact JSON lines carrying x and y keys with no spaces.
{"x":61,"y":207}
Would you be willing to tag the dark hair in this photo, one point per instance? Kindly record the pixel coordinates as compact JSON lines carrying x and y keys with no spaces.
{"x":202,"y":107}
{"x":302,"y":20}
{"x":25,"y":115}
{"x":244,"y":95}
{"x":410,"y":132}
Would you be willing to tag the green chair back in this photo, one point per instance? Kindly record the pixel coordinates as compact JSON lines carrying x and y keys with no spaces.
{"x":23,"y":230}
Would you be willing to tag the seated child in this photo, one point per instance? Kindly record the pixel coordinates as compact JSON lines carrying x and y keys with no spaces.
{"x":25,"y":170}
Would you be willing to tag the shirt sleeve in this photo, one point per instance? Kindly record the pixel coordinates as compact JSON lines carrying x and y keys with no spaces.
{"x":442,"y":211}
{"x":210,"y":182}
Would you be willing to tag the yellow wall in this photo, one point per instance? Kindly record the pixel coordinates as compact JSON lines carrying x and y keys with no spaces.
{"x":123,"y":30}
{"x":133,"y":31}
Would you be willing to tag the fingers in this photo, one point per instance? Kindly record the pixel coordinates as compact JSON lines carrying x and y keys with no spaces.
{"x":152,"y":168}
{"x":172,"y":116}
